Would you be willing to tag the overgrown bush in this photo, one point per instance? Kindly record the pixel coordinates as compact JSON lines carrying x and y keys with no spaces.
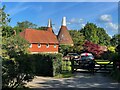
{"x":16,"y":73}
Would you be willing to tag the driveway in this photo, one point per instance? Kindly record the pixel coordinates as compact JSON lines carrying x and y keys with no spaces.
{"x":80,"y":80}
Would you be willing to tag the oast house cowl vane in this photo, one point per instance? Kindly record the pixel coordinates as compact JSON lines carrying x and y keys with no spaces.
{"x":64,"y":37}
{"x":49,"y":27}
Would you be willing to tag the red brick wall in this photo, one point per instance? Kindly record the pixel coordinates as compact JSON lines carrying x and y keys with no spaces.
{"x":43,"y":48}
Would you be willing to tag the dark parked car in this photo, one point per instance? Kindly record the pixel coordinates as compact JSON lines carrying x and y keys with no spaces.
{"x":87,"y":61}
{"x":71,"y":55}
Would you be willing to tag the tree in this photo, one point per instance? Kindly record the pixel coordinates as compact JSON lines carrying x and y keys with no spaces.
{"x":90,"y":32}
{"x":16,"y":65}
{"x":114,"y":41}
{"x":26,"y":24}
{"x":64,"y":49}
{"x":7,"y":31}
{"x":104,"y":38}
{"x":42,"y":28}
{"x":4,"y":20}
{"x":95,"y":34}
{"x":96,"y":49}
{"x":78,"y":40}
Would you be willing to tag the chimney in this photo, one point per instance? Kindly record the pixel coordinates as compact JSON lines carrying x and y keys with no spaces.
{"x":64,"y":21}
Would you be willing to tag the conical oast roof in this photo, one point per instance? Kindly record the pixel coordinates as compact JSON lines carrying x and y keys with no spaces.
{"x":49,"y":27}
{"x":64,"y":37}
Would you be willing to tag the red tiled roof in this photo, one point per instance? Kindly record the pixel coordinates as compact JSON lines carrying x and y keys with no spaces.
{"x":39,"y":36}
{"x":50,"y":29}
{"x":64,"y":36}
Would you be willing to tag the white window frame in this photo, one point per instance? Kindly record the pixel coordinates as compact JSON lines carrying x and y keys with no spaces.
{"x":39,"y":45}
{"x":55,"y":45}
{"x":30,"y":45}
{"x":47,"y":45}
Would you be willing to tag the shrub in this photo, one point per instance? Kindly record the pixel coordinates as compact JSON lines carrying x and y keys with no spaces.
{"x":47,"y":64}
{"x":16,"y":73}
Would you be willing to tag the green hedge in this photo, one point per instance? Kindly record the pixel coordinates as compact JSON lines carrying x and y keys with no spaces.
{"x":47,"y":64}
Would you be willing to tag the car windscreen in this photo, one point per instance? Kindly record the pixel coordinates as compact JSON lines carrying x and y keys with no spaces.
{"x":86,"y":57}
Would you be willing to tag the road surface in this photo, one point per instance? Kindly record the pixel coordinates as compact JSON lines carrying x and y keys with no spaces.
{"x":80,"y":80}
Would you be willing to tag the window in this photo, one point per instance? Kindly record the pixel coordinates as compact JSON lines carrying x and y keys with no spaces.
{"x":39,"y":45}
{"x":30,"y":46}
{"x":54,"y":45}
{"x":47,"y":45}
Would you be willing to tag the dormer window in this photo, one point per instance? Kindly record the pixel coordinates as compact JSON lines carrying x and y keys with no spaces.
{"x":54,"y":45}
{"x":47,"y":45}
{"x":30,"y":46}
{"x":39,"y":45}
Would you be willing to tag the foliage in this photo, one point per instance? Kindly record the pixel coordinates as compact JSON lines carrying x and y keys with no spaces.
{"x":90,"y":32}
{"x":17,"y":72}
{"x":64,"y":49}
{"x":47,"y":64}
{"x":26,"y":24}
{"x":104,"y":38}
{"x":78,"y":40}
{"x":95,"y":34}
{"x":64,"y":75}
{"x":115,"y":40}
{"x":16,"y":66}
{"x":42,"y":28}
{"x":4,"y":17}
{"x":109,"y":55}
{"x":17,"y":29}
{"x":66,"y":66}
{"x":93,"y":48}
{"x":111,"y":48}
{"x":7,"y":31}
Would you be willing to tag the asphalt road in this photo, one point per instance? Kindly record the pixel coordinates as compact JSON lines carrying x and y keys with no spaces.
{"x":80,"y":80}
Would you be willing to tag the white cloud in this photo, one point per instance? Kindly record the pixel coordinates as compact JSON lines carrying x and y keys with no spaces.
{"x":112,"y":26}
{"x":75,"y":21}
{"x":82,"y":25}
{"x":105,"y":18}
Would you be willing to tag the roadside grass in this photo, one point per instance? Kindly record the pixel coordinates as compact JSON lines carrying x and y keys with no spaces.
{"x":65,"y":75}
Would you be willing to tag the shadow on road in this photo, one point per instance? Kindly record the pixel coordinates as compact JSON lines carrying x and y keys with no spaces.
{"x":81,"y":79}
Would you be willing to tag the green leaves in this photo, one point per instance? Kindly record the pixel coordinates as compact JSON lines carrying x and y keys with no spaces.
{"x":26,"y":24}
{"x":4,"y":20}
{"x":95,"y":34}
{"x":78,"y":40}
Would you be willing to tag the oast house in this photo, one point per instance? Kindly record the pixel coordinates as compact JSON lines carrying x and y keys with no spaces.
{"x":45,"y":41}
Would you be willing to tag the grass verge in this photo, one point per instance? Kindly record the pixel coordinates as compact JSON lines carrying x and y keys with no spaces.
{"x":64,"y":75}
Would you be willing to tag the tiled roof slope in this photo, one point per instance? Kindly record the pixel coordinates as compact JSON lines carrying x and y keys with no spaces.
{"x":39,"y":36}
{"x":64,"y":36}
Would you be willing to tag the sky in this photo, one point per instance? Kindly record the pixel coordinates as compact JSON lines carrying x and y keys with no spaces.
{"x":103,"y":14}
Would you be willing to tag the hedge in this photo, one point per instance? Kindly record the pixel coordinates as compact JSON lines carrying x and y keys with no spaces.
{"x":47,"y":64}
